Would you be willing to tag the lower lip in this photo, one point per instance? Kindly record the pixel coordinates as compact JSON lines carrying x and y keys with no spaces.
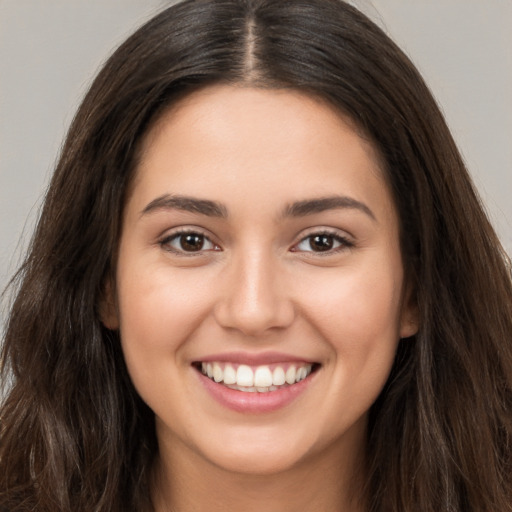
{"x":255,"y":402}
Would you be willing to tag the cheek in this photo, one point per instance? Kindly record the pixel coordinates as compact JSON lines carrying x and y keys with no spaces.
{"x":357,"y":315}
{"x":158,"y":312}
{"x":357,"y":312}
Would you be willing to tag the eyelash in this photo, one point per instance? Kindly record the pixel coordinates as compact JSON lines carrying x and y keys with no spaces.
{"x":165,"y":242}
{"x":344,"y":243}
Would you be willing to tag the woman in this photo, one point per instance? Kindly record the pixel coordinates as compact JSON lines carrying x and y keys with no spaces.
{"x":261,"y":277}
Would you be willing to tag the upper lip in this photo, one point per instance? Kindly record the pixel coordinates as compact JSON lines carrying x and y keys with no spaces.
{"x":254,"y":358}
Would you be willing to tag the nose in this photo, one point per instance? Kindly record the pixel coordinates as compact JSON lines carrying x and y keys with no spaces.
{"x":255,"y":298}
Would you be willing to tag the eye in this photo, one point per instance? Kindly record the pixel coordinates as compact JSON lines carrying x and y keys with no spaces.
{"x":323,"y":243}
{"x":188,"y":242}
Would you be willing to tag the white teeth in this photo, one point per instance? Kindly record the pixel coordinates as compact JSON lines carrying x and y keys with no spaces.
{"x":263,"y":377}
{"x":218,"y":374}
{"x":260,"y":379}
{"x":244,"y":376}
{"x":250,"y":389}
{"x":290,"y":375}
{"x":229,"y":375}
{"x":301,"y":374}
{"x":278,"y":377}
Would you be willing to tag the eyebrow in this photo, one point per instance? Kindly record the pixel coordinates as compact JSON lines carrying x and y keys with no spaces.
{"x":311,"y":206}
{"x":188,"y":204}
{"x":215,"y":209}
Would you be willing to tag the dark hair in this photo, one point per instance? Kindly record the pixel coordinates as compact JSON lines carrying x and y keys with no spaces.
{"x":74,"y":434}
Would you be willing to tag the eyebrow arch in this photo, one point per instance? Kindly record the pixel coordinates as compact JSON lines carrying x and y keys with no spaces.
{"x":311,"y":206}
{"x":186,"y":203}
{"x":214,"y":209}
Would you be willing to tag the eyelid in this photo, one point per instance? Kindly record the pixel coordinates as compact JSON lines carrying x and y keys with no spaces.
{"x":171,"y":234}
{"x":345,"y":241}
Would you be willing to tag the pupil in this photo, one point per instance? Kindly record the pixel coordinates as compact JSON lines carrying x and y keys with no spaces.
{"x":321,"y":242}
{"x":192,"y":242}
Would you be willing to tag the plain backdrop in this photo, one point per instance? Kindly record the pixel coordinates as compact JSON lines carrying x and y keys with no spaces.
{"x":51,"y":49}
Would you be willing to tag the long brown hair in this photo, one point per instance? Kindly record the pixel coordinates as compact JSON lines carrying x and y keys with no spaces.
{"x":74,"y":434}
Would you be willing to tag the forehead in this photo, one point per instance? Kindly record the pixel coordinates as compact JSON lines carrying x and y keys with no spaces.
{"x":216,"y":106}
{"x":221,"y":138}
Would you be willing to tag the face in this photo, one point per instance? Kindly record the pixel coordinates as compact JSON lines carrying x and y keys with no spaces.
{"x":259,"y":290}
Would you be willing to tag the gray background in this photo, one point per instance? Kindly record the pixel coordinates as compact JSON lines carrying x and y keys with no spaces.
{"x":50,"y":50}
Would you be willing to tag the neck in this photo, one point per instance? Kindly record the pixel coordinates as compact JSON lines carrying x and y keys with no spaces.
{"x":326,"y":482}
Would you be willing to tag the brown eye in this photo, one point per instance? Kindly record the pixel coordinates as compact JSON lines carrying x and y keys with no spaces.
{"x":188,"y":242}
{"x":323,"y":242}
{"x":191,"y":242}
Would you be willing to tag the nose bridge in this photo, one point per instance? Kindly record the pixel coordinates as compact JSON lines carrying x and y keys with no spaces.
{"x":254,"y":298}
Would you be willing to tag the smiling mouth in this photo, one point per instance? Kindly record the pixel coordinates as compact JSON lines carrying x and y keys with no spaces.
{"x":256,"y":379}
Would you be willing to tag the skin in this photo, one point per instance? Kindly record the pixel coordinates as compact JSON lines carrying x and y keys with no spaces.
{"x":258,"y":284}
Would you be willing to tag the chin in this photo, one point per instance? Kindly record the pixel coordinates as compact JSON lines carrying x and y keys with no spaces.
{"x":255,"y":453}
{"x":256,"y":462}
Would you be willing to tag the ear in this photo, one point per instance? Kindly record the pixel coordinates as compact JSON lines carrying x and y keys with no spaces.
{"x":108,"y":312}
{"x":410,"y":315}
